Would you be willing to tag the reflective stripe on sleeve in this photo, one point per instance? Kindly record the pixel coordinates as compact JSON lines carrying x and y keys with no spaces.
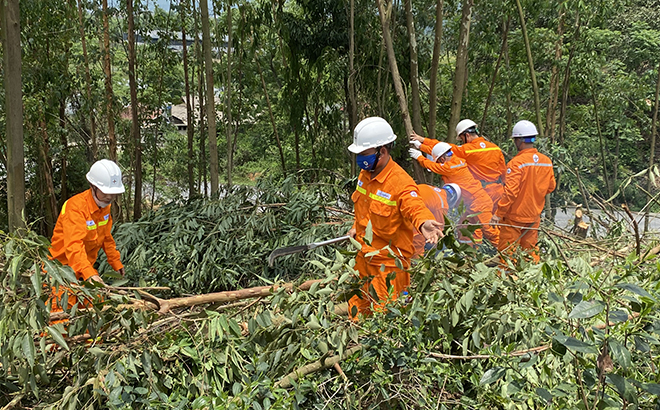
{"x":533,"y":164}
{"x":383,"y":200}
{"x":482,"y":149}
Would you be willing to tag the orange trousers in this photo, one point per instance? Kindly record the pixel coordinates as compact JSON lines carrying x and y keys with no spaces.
{"x":519,"y":234}
{"x":362,"y":304}
{"x":492,"y":233}
{"x":495,"y":192}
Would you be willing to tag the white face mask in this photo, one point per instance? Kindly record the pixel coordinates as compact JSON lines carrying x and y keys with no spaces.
{"x":100,"y":203}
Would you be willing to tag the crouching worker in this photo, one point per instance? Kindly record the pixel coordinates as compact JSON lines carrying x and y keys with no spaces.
{"x":388,"y":199}
{"x":439,"y":201}
{"x":454,"y":169}
{"x":83,"y":228}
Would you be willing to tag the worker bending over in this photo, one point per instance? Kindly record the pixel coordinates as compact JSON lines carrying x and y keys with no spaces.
{"x":387,"y":198}
{"x":83,"y":228}
{"x":455,"y":170}
{"x":529,"y":179}
{"x":439,"y":201}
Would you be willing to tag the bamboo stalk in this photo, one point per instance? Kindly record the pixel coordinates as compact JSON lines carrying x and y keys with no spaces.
{"x":288,"y":380}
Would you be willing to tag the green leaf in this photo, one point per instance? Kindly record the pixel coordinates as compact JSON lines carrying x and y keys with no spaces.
{"x":492,"y":375}
{"x":586,"y":309}
{"x":28,"y":349}
{"x":620,"y":353}
{"x":652,"y":388}
{"x":57,"y":337}
{"x":545,"y":395}
{"x":576,"y":345}
{"x":634,"y":289}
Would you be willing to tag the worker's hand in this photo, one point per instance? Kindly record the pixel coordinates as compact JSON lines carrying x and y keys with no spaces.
{"x":495,"y":220}
{"x":352,"y":232}
{"x":97,"y":279}
{"x":432,"y":230}
{"x":415,"y":143}
{"x":418,"y":138}
{"x":121,"y":272}
{"x":415,"y":153}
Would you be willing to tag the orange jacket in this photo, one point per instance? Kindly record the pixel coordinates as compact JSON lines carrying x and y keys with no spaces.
{"x":392,"y":203}
{"x":485,"y":160}
{"x":455,"y":170}
{"x":435,"y":200}
{"x":82,"y":229}
{"x":529,"y":179}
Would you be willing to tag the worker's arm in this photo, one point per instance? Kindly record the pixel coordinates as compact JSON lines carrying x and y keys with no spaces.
{"x":413,"y":209}
{"x":75,"y":230}
{"x":553,"y":183}
{"x":110,"y":248}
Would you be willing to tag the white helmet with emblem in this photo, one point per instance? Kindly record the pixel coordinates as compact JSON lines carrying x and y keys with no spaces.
{"x":439,"y":149}
{"x":371,"y":132}
{"x":106,"y":176}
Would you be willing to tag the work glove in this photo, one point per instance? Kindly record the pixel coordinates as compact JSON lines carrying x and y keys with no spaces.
{"x":416,"y":143}
{"x":414,"y":153}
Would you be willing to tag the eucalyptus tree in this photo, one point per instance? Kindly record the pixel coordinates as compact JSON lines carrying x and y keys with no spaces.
{"x":11,"y":42}
{"x":109,"y":94}
{"x":210,"y":98}
{"x":460,"y":74}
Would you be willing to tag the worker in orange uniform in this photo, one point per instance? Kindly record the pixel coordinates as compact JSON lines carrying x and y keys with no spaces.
{"x":439,"y":201}
{"x":387,"y":199}
{"x":485,"y":159}
{"x":454,"y":169}
{"x":83,"y":228}
{"x":529,"y":179}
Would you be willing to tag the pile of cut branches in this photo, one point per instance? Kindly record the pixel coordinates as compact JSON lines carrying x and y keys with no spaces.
{"x":580,"y":329}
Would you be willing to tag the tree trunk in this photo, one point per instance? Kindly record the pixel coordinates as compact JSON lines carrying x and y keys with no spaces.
{"x":460,"y":73}
{"x":210,"y":99}
{"x":567,"y":77}
{"x":46,"y":175}
{"x":601,"y":143}
{"x":396,"y":79}
{"x":64,"y":192}
{"x":554,"y":79}
{"x":135,"y":126}
{"x":654,"y":130}
{"x":112,"y":138}
{"x":88,"y":84}
{"x":352,"y":98}
{"x":505,"y":34}
{"x":532,"y":72}
{"x":509,"y":114}
{"x":190,"y":129}
{"x":272,"y":118}
{"x":414,"y":72}
{"x":228,"y":121}
{"x":433,"y":93}
{"x":11,"y":39}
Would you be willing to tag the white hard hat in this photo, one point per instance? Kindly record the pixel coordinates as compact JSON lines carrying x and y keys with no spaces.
{"x":465,"y":125}
{"x":439,"y":149}
{"x":524,"y":128}
{"x":453,"y":194}
{"x":106,"y":176}
{"x":370,"y":133}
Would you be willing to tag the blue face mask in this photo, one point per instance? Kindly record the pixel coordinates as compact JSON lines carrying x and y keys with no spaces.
{"x":367,"y":162}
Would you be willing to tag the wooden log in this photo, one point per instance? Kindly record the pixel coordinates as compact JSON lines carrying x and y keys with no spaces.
{"x":288,"y":380}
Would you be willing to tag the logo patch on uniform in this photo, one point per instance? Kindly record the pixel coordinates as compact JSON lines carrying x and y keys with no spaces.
{"x":91,"y":223}
{"x":436,"y":189}
{"x":384,"y":194}
{"x":482,"y":144}
{"x":360,"y":182}
{"x":106,"y":217}
{"x":508,"y":170}
{"x":413,"y":194}
{"x":535,"y":158}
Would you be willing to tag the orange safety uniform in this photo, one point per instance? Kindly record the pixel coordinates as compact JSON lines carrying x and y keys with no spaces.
{"x":436,"y":201}
{"x":82,"y":229}
{"x":529,"y":179}
{"x":486,"y":163}
{"x":475,"y":198}
{"x":391,"y":202}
